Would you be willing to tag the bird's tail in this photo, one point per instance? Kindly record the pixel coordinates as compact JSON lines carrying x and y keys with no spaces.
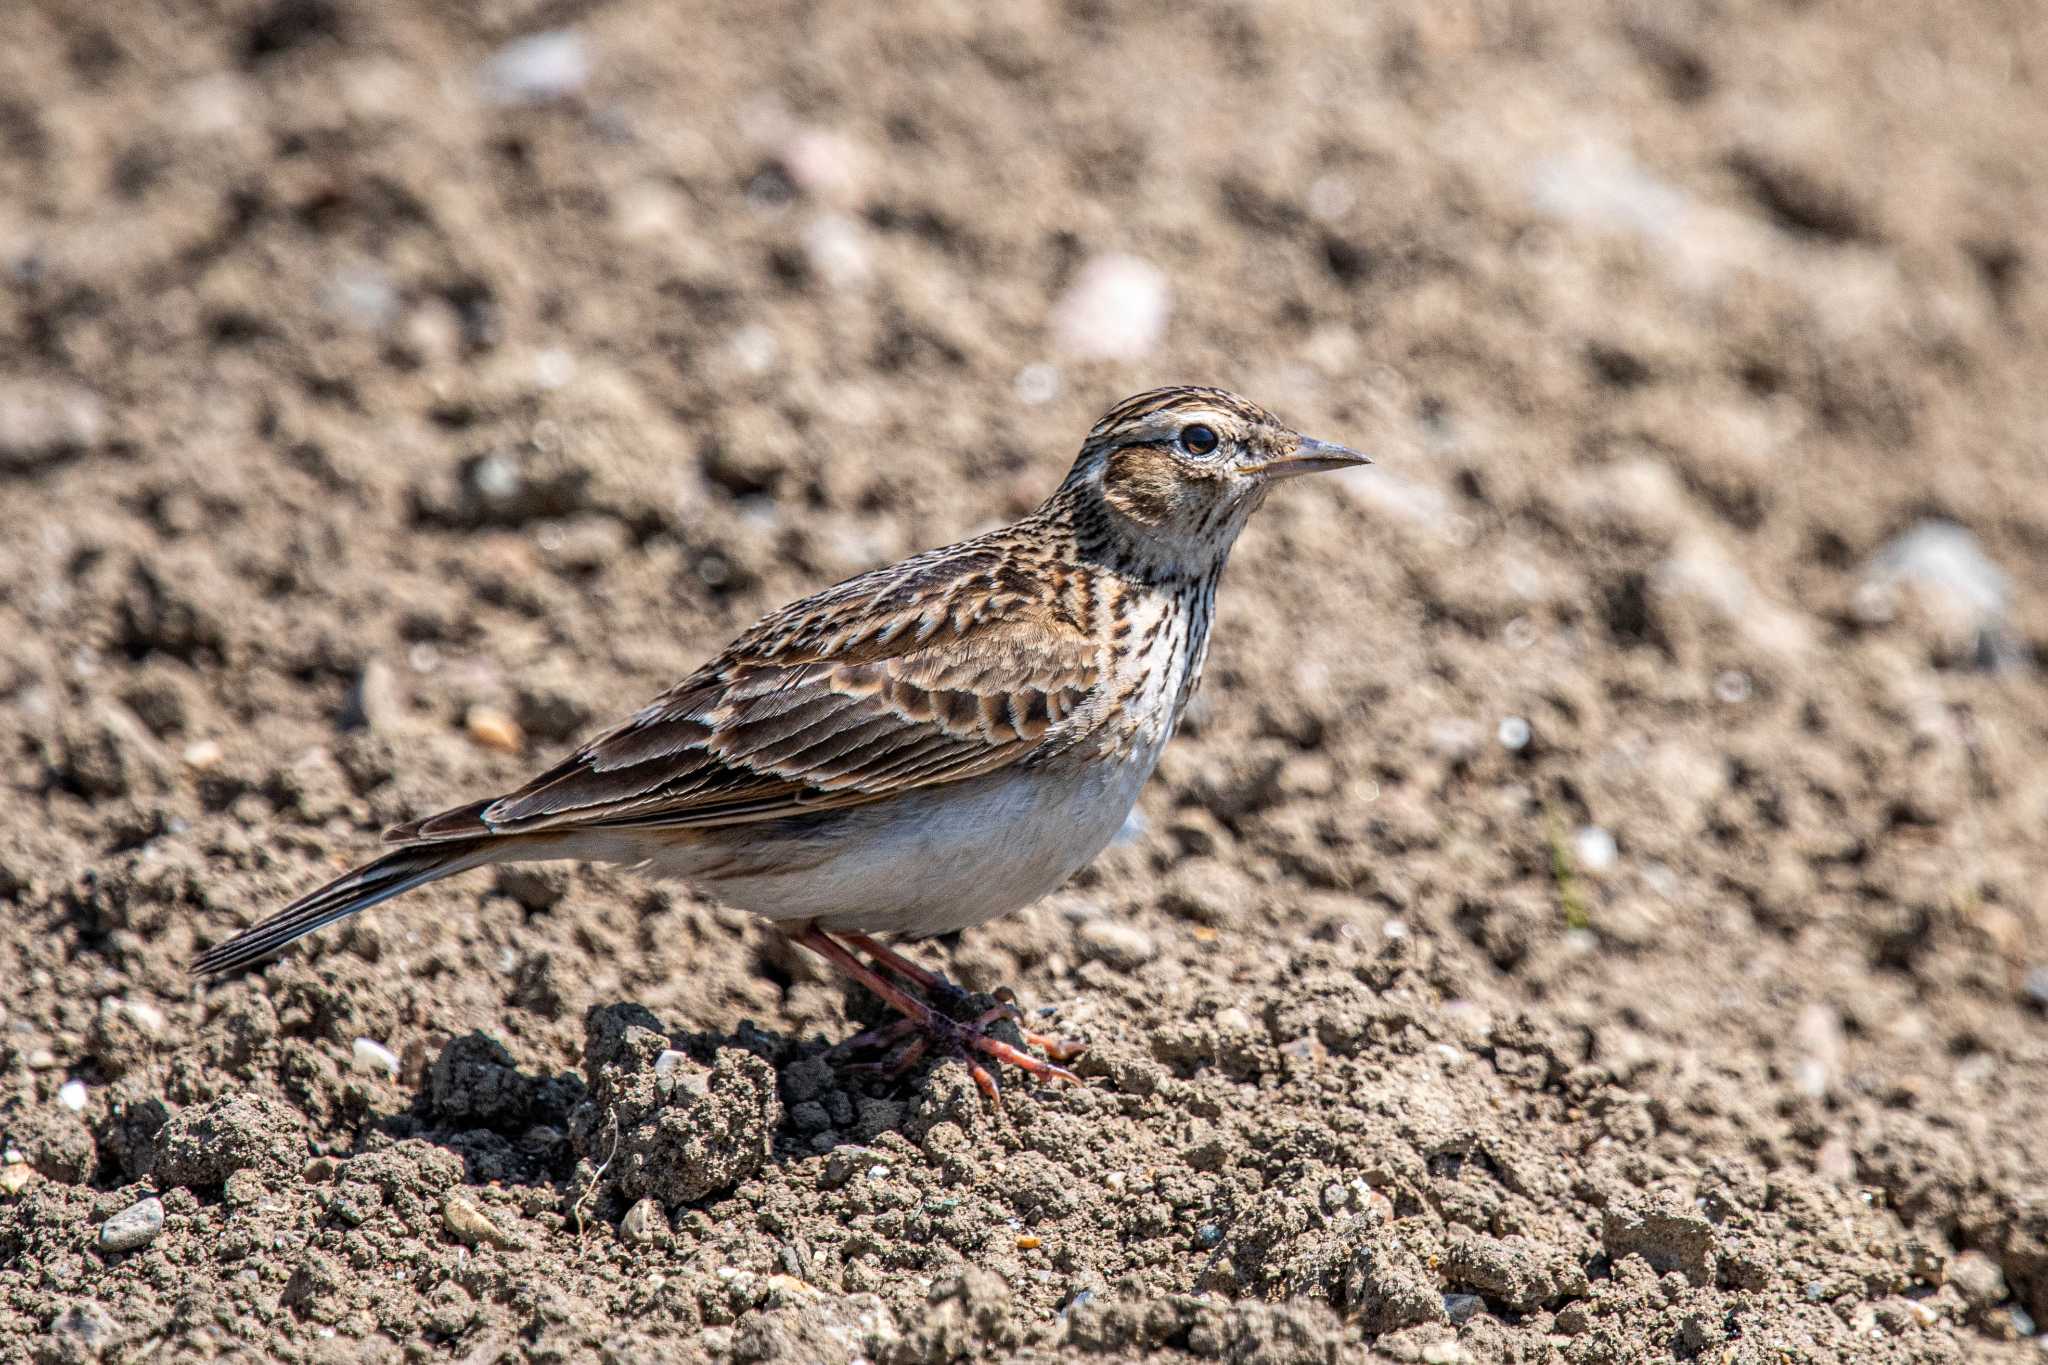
{"x":373,"y":883}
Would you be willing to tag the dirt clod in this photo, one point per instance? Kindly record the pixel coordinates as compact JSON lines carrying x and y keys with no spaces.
{"x":201,"y":1146}
{"x":673,"y":1133}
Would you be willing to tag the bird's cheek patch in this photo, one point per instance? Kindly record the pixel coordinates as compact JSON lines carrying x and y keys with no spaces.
{"x":1143,"y":484}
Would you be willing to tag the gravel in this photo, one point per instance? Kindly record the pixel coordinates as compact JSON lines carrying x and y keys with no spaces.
{"x":133,"y":1227}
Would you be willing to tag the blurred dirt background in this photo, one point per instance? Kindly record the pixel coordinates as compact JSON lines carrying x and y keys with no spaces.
{"x":1594,"y":913}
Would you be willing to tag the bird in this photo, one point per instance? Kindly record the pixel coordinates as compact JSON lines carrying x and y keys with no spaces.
{"x":917,"y":750}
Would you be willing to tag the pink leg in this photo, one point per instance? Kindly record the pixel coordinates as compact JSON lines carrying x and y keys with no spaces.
{"x":1059,"y":1049}
{"x":961,"y":1037}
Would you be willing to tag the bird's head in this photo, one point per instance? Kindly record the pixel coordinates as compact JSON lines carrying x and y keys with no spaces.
{"x":1174,"y":473}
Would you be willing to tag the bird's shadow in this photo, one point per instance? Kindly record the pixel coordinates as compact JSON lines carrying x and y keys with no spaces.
{"x":519,"y":1127}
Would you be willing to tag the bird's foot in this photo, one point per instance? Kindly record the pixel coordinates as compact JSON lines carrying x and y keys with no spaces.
{"x":924,"y":1024}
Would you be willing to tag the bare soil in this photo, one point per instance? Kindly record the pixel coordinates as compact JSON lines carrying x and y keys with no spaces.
{"x":1595,"y":911}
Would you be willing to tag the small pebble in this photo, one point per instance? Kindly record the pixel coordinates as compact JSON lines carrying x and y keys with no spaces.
{"x":754,"y":350}
{"x":784,"y":1288}
{"x":840,"y":1165}
{"x":203,"y":754}
{"x":675,"y":1070}
{"x":41,"y":1059}
{"x":14,"y":1177}
{"x":645,"y":1223}
{"x":372,"y":1056}
{"x":1731,"y":687}
{"x":1116,"y":309}
{"x":146,"y":1016}
{"x":1594,"y":848}
{"x":1330,"y":197}
{"x":1028,"y":1243}
{"x":468,"y":1222}
{"x":1513,"y":733}
{"x":1208,"y":1235}
{"x":494,"y":729}
{"x":2036,"y":985}
{"x":135,"y":1226}
{"x":1040,"y":384}
{"x":1123,"y":946}
{"x":42,"y":423}
{"x":1460,"y":1307}
{"x":1231,"y":1019}
{"x":1445,"y":1352}
{"x":72,"y":1096}
{"x":824,"y":164}
{"x":537,"y":68}
{"x":836,"y":250}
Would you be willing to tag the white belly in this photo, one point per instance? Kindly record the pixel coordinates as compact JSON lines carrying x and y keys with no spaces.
{"x":930,"y":863}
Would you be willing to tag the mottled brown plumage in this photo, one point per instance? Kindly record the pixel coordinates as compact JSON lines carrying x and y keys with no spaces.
{"x":916,"y":749}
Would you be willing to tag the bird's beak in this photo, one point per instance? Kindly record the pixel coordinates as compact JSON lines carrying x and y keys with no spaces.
{"x":1310,"y":457}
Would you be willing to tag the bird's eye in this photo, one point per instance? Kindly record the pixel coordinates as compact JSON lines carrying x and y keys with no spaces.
{"x":1197,"y":439}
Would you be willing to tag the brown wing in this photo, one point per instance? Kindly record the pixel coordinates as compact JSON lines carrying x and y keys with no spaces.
{"x":944,"y":667}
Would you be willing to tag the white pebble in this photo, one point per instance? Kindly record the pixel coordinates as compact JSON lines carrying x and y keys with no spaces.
{"x":1603,"y":187}
{"x":1594,"y":848}
{"x":1038,"y":383}
{"x":202,"y":754}
{"x":72,"y":1096}
{"x":371,"y":1055}
{"x":496,"y":477}
{"x":1964,"y":595}
{"x":1231,"y":1019}
{"x":837,"y":250}
{"x":364,"y":295}
{"x":537,"y":68}
{"x":1945,"y":556}
{"x":41,"y":422}
{"x":1454,"y":740}
{"x":1731,"y":686}
{"x":553,"y":368}
{"x":1116,"y":309}
{"x":824,"y":164}
{"x":754,"y":349}
{"x":1513,"y":733}
{"x":1330,"y":197}
{"x":135,"y":1226}
{"x":1123,"y":946}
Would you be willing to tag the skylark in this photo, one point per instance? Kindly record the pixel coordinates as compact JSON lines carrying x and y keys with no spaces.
{"x":916,"y":750}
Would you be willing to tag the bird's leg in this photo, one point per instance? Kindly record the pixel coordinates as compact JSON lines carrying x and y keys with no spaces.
{"x":962,"y":1037}
{"x":932,"y":982}
{"x":950,"y":996}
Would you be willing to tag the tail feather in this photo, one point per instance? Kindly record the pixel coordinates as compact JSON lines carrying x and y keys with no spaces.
{"x":373,"y":883}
